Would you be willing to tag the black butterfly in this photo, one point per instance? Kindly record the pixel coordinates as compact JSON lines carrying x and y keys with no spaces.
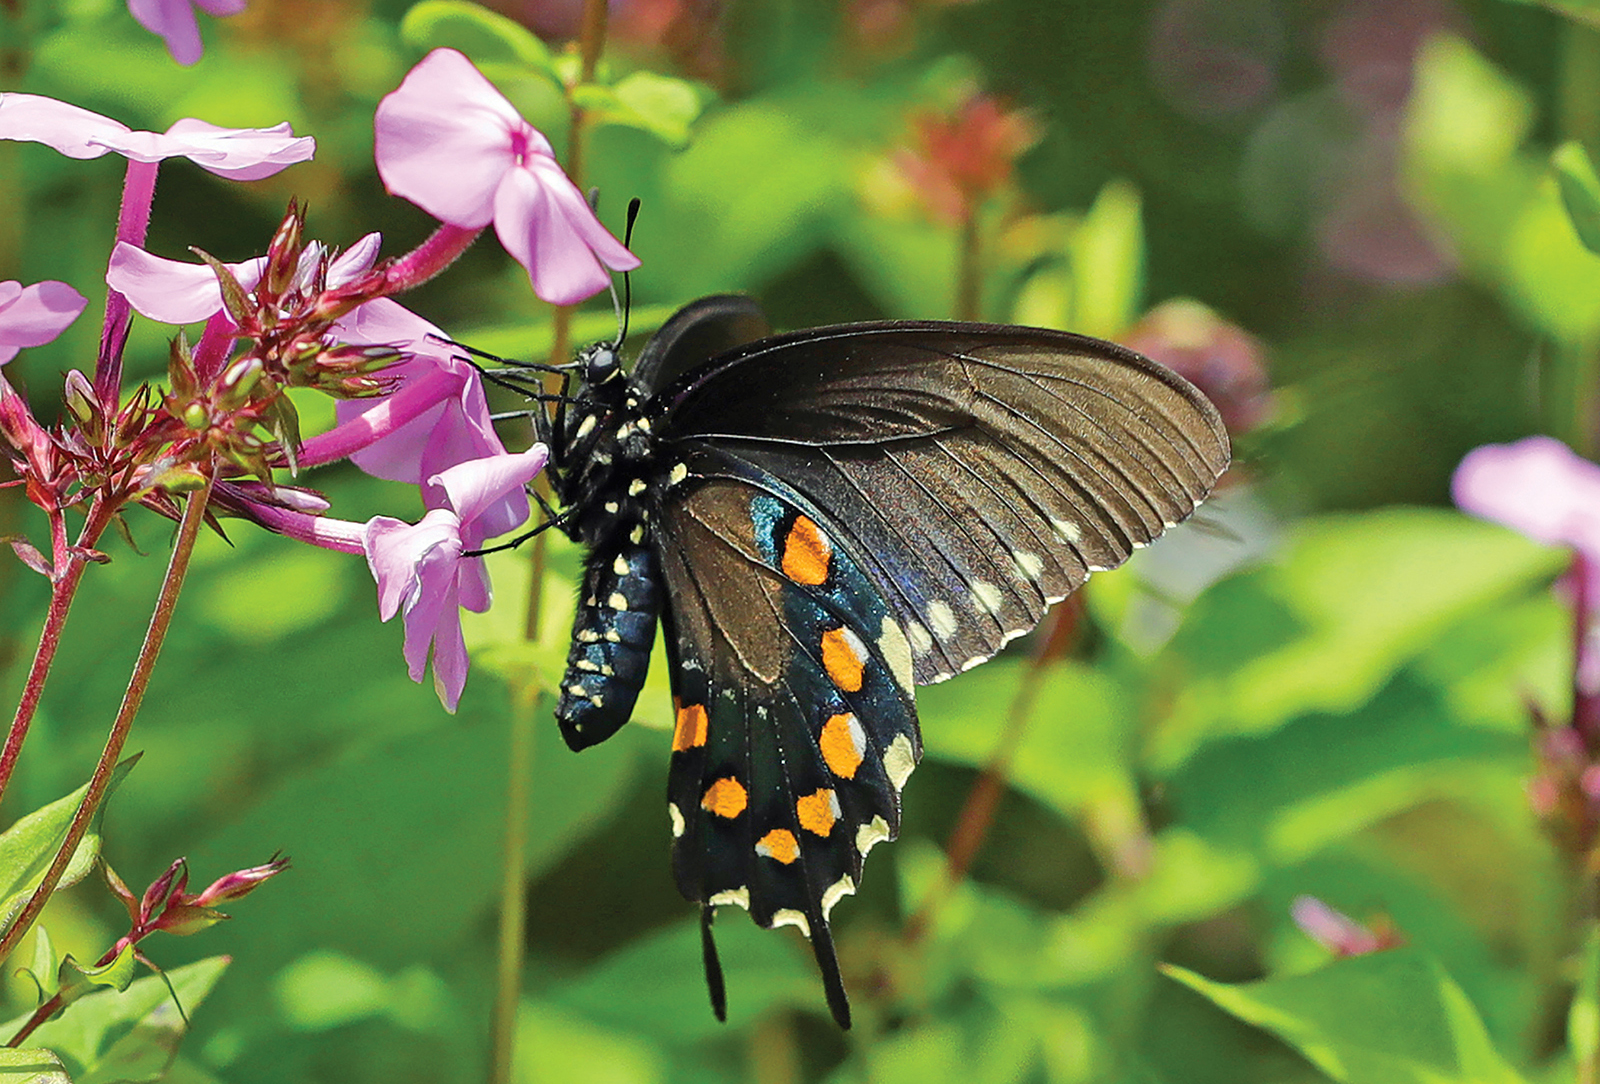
{"x":821,"y":521}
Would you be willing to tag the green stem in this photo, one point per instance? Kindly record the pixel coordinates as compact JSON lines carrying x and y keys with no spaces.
{"x":513,"y":890}
{"x":138,"y":682}
{"x":969,"y":301}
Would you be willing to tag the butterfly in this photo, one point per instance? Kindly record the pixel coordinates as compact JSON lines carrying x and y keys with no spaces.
{"x":819,"y":522}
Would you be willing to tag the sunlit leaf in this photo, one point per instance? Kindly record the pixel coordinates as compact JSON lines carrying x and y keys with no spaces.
{"x":1580,"y":191}
{"x":555,"y":1046}
{"x":29,"y":1066}
{"x":1389,"y":1018}
{"x":483,"y":35}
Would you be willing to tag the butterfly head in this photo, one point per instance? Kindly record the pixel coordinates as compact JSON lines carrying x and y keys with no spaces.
{"x":601,"y":363}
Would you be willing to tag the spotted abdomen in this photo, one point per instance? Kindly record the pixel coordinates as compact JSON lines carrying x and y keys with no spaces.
{"x":611,"y":638}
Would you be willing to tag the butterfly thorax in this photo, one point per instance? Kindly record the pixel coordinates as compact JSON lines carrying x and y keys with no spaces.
{"x":603,"y":460}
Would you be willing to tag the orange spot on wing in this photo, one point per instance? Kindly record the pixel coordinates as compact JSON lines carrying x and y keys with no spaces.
{"x":806,"y":553}
{"x":691,"y":730}
{"x":817,"y":812}
{"x":840,"y":746}
{"x":841,"y":658}
{"x":779,"y":844}
{"x":726,"y":798}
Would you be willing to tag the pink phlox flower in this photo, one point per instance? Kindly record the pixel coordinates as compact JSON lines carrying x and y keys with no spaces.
{"x":176,"y":292}
{"x":436,"y":417}
{"x":173,"y":21}
{"x":449,"y":142}
{"x":1536,"y":486}
{"x":420,"y":571}
{"x":240,"y":154}
{"x":34,"y":315}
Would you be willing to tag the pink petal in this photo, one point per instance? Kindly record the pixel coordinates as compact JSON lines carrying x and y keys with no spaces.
{"x":171,"y":291}
{"x":75,"y":132}
{"x":1537,"y":486}
{"x":443,"y":139}
{"x":543,"y":238}
{"x":36,"y":314}
{"x":488,"y":493}
{"x":240,"y":154}
{"x":173,"y":21}
{"x":395,"y":549}
{"x":221,"y":8}
{"x":355,"y":261}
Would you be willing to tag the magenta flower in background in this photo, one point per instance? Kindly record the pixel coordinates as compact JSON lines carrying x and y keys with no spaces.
{"x":33,"y":315}
{"x":1538,"y":487}
{"x":449,"y":142}
{"x":174,"y":22}
{"x":421,"y":573}
{"x":240,"y":154}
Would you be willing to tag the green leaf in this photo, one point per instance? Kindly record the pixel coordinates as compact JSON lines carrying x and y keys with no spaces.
{"x":30,"y":1066}
{"x":1584,"y":11}
{"x":1107,"y":255}
{"x":43,"y":968}
{"x":1390,"y":1018}
{"x":666,"y":993}
{"x":1350,"y":600}
{"x":555,"y":1047}
{"x":116,"y":974}
{"x":28,"y":847}
{"x":486,"y":36}
{"x":1580,"y":191}
{"x":658,"y":104}
{"x":131,"y":1036}
{"x":1583,"y":1018}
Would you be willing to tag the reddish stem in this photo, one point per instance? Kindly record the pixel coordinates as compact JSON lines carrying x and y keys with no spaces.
{"x":429,"y":258}
{"x":1585,"y":699}
{"x":62,"y":590}
{"x":138,"y":682}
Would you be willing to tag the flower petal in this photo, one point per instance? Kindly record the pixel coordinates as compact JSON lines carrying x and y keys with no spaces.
{"x":240,"y":154}
{"x":488,"y":493}
{"x":541,"y":236}
{"x":443,"y":139}
{"x":75,"y":132}
{"x":173,"y":22}
{"x":38,"y":313}
{"x":1537,"y":486}
{"x":171,"y":291}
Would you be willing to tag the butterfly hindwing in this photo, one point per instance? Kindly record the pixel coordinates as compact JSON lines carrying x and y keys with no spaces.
{"x":796,"y":724}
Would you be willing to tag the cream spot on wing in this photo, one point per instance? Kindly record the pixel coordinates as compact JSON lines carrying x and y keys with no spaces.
{"x":892,"y":642}
{"x":976,"y":660}
{"x":942,"y":619}
{"x":899,"y":760}
{"x":844,"y":886}
{"x":790,"y":917}
{"x":1070,"y":533}
{"x":921,"y":642}
{"x":737,"y":897}
{"x":988,"y":597}
{"x":1029,"y":564}
{"x":677,"y":819}
{"x":869,"y":836}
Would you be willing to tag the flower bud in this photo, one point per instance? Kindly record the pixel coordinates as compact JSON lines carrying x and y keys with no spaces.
{"x":235,"y":886}
{"x":196,"y":417}
{"x":238,"y":381}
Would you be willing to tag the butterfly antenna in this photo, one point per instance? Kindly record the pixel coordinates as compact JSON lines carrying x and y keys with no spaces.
{"x":708,"y":948}
{"x":627,"y":280}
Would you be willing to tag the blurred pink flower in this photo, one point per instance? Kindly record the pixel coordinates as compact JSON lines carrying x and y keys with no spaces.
{"x":34,"y":315}
{"x":1537,"y":486}
{"x":174,"y":22}
{"x":240,"y":154}
{"x":1338,"y":932}
{"x":420,"y":570}
{"x":449,"y":142}
{"x":1220,"y":358}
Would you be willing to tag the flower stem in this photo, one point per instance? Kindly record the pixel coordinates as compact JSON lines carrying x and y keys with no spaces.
{"x":133,"y":222}
{"x":969,"y":304}
{"x":977,"y":813}
{"x":428,"y":259}
{"x":513,"y":889}
{"x":194,"y":514}
{"x":63,"y":588}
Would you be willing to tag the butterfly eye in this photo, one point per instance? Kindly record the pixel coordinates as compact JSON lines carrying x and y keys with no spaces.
{"x":600,"y":364}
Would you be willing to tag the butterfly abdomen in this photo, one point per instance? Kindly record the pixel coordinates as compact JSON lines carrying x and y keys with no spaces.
{"x":612,"y":634}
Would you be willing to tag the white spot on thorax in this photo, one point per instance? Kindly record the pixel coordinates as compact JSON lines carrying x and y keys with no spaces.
{"x":616,"y":601}
{"x":677,"y":474}
{"x":586,"y":427}
{"x":620,"y":565}
{"x":636,"y":487}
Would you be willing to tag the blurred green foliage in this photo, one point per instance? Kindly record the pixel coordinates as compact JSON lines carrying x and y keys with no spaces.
{"x":1324,"y":692}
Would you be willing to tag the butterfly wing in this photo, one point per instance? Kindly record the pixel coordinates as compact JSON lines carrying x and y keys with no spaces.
{"x":796,"y":721}
{"x":980,"y":472}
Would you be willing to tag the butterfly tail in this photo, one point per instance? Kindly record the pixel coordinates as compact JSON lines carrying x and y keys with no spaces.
{"x":708,"y":948}
{"x":828,"y":964}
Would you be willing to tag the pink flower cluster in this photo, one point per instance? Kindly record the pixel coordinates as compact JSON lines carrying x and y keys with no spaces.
{"x":410,"y":409}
